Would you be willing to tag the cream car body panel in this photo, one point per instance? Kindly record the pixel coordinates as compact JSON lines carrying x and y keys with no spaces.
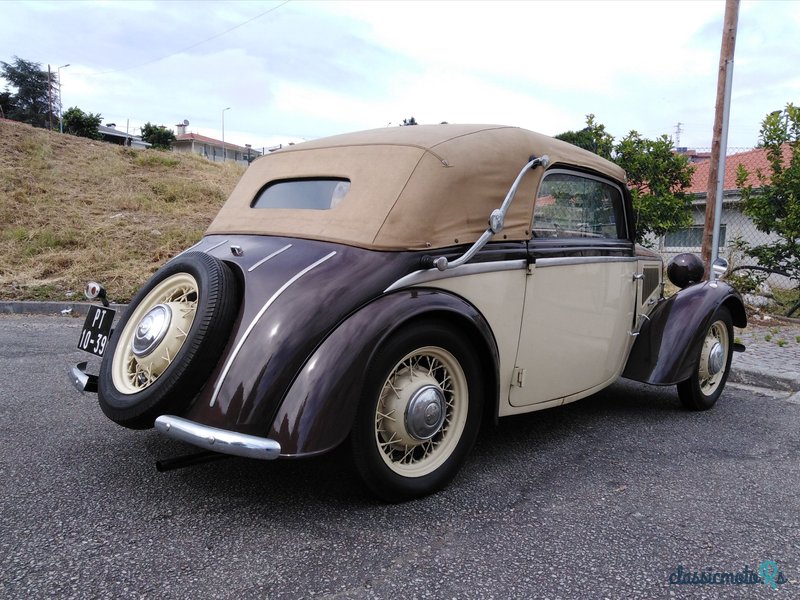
{"x":576,"y":327}
{"x":499,"y":297}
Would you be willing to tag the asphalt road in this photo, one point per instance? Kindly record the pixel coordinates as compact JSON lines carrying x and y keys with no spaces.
{"x":603,"y":498}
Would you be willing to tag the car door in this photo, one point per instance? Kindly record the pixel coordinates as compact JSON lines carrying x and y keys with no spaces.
{"x":580,"y":297}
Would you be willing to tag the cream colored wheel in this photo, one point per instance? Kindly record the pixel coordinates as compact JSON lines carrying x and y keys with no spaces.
{"x":421,"y":412}
{"x":713,"y":358}
{"x":713,"y":363}
{"x":165,"y":346}
{"x":155,"y":333}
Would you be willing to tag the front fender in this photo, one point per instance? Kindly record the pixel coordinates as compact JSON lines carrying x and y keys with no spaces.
{"x":317,"y":413}
{"x":669,"y":340}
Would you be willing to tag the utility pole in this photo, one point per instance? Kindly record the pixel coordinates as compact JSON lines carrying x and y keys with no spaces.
{"x":719,"y":144}
{"x":224,"y":152}
{"x":60,"y":105}
{"x":49,"y":98}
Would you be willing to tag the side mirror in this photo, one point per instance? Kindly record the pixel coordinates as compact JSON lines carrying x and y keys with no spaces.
{"x":719,"y":267}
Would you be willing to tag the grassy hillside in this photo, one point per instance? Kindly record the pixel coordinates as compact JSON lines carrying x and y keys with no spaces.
{"x":73,"y":209}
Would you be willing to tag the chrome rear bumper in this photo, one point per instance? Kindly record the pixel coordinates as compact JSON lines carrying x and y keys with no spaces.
{"x":218,"y":440}
{"x":83,"y":381}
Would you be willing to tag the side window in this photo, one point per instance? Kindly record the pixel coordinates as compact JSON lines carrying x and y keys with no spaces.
{"x":571,"y":205}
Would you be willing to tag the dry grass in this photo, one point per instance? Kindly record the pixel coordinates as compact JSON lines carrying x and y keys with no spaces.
{"x":73,"y":209}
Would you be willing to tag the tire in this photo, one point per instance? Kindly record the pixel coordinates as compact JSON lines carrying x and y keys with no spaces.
{"x":164,"y":371}
{"x":713,"y":364}
{"x":426,"y":367}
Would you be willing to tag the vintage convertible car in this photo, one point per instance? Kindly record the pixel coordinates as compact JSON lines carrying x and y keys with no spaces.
{"x":351,"y":291}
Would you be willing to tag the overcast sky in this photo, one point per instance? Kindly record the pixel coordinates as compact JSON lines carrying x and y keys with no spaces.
{"x":301,"y":70}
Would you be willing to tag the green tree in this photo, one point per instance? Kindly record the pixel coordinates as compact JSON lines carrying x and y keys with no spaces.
{"x":82,"y":124}
{"x":775,"y":205}
{"x":158,"y":135}
{"x":410,"y":121}
{"x":6,"y":104}
{"x":593,"y":137}
{"x":658,"y":178}
{"x":34,"y":100}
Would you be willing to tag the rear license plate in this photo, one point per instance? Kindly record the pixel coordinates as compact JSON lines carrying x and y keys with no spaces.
{"x":96,"y":330}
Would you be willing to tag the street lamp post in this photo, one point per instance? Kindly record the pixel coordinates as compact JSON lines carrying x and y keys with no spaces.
{"x":224,"y":153}
{"x":60,"y":107}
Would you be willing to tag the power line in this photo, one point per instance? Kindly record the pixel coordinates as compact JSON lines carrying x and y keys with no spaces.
{"x":155,"y":60}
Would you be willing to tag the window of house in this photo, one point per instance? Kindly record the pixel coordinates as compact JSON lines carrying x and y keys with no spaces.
{"x":572,"y":205}
{"x":690,"y":237}
{"x":314,"y":194}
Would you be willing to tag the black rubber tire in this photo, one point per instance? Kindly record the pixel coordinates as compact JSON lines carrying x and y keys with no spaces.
{"x":379,"y":478}
{"x":170,"y":393}
{"x":690,"y":391}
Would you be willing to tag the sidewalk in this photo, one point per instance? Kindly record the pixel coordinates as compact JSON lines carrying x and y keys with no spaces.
{"x":771,"y":359}
{"x":772,"y":356}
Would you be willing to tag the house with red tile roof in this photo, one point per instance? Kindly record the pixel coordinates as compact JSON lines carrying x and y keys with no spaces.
{"x":734,"y":224}
{"x":210,"y":148}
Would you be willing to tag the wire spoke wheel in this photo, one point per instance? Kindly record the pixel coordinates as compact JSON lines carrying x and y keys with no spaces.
{"x":713,"y":358}
{"x":164,"y":346}
{"x":413,"y":446}
{"x":713,"y":363}
{"x":419,"y":413}
{"x":134,"y":371}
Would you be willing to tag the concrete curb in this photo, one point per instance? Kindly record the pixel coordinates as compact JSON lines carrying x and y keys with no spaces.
{"x":789,"y":382}
{"x":68,"y":309}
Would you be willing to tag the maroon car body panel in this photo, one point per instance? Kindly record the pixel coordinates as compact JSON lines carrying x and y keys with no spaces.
{"x":669,"y":341}
{"x":318,"y":411}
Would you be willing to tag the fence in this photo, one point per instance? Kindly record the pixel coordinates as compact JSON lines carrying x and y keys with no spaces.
{"x":773,"y":291}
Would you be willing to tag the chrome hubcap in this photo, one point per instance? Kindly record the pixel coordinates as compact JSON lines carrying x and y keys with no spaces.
{"x":151,"y":330}
{"x":716,"y":359}
{"x":425,"y":412}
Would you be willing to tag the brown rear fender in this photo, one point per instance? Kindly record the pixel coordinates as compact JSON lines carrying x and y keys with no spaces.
{"x":670,"y":339}
{"x":318,"y":411}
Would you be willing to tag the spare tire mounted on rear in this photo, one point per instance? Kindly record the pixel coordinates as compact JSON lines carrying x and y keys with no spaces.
{"x":168,"y":340}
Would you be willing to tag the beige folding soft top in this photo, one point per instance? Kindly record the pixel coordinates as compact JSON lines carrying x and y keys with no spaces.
{"x":411,"y":188}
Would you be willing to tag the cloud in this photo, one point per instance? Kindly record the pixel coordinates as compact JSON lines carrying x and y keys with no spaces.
{"x":308,"y":69}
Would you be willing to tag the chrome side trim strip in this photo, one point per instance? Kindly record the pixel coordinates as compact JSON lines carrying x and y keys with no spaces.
{"x":266,"y":258}
{"x":255,"y":320}
{"x":427,"y":275}
{"x":189,"y":249}
{"x":218,"y":440}
{"x":581,"y":260}
{"x":207,"y":250}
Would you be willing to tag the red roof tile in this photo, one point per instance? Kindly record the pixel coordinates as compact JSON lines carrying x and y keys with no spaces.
{"x":753,"y":160}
